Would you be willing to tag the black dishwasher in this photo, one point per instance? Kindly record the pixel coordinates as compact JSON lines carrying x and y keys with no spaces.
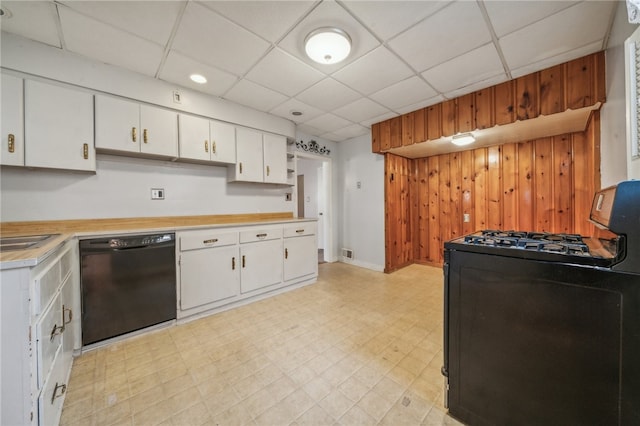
{"x":128,"y":283}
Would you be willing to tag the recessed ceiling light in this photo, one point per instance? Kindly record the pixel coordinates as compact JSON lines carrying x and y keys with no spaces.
{"x":463,"y":139}
{"x":296,"y":113}
{"x":327,"y":45}
{"x":200,"y":79}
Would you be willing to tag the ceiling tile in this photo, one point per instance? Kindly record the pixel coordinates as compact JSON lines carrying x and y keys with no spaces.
{"x":374,"y":71}
{"x":309,"y":130}
{"x":454,"y":74}
{"x":420,"y":105}
{"x":460,"y":27}
{"x":386,"y":116}
{"x":96,"y":40}
{"x":35,"y":20}
{"x":177,"y":69}
{"x":152,"y":20}
{"x":268,"y":19}
{"x":328,"y":95}
{"x":387,"y":18}
{"x":404,"y":93}
{"x":254,"y":96}
{"x":508,"y":16}
{"x":552,"y":36}
{"x":282,"y":72}
{"x":214,"y":40}
{"x":308,"y":112}
{"x":329,"y":14}
{"x":492,"y":81}
{"x":328,"y":122}
{"x":360,"y":110}
{"x":559,"y":59}
{"x":348,"y":132}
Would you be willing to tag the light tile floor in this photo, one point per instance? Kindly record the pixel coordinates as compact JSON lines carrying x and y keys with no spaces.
{"x":356,"y":348}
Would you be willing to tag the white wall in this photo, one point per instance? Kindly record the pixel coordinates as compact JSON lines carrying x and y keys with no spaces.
{"x":362,"y":210}
{"x":121,"y":188}
{"x":613,"y":136}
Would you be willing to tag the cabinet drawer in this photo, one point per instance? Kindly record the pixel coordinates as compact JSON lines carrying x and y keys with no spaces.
{"x":298,"y":230}
{"x":52,"y":395}
{"x":45,"y":286}
{"x":260,"y":234}
{"x":49,"y":330}
{"x":204,"y":239}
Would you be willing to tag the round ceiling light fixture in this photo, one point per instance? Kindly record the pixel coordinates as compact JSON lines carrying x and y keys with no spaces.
{"x":197,"y":78}
{"x":327,"y":45}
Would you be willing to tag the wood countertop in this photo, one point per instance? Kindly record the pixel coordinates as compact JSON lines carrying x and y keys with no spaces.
{"x":68,"y":229}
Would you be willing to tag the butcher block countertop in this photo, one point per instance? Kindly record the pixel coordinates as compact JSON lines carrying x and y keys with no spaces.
{"x":68,"y":229}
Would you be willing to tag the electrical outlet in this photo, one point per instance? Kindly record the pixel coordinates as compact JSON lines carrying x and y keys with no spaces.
{"x":466,"y":218}
{"x":177,"y":98}
{"x":358,"y":184}
{"x":157,"y":193}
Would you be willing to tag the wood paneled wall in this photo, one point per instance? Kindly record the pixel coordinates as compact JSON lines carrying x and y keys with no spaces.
{"x":541,"y":185}
{"x":572,"y":85}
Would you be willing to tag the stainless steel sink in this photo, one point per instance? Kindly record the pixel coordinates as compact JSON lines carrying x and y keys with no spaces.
{"x":24,"y":242}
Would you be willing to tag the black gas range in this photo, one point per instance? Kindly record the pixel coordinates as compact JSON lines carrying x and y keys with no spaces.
{"x":544,"y":328}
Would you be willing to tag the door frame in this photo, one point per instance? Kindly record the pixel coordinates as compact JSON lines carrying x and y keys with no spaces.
{"x":327,"y":174}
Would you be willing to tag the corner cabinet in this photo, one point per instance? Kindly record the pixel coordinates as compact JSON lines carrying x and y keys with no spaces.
{"x":58,"y":127}
{"x":260,"y":157}
{"x":129,"y":128}
{"x":206,"y":141}
{"x":39,"y":334}
{"x":224,"y":267}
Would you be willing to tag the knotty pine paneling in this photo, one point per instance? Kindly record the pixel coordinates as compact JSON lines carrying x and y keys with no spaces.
{"x":552,"y":90}
{"x":541,"y":185}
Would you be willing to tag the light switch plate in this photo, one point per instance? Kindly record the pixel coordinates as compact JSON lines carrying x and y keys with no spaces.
{"x":157,"y":193}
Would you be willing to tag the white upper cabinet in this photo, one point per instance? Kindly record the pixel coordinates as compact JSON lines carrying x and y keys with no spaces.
{"x":12,"y":121}
{"x":124,"y":126}
{"x":275,"y":158}
{"x":204,"y":140}
{"x":249,"y":157}
{"x":259,"y":157}
{"x":223,"y":142}
{"x":58,"y":127}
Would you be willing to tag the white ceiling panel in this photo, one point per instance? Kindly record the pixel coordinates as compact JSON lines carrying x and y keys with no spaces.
{"x":454,"y":74}
{"x":360,"y":110}
{"x":177,"y":69}
{"x":284,"y":73}
{"x":35,"y":20}
{"x":460,"y":27}
{"x":329,"y":14}
{"x":217,"y":41}
{"x":404,"y":93}
{"x":328,"y":122}
{"x":255,"y":96}
{"x":328,"y":95}
{"x":134,"y":16}
{"x":374,"y":71}
{"x":407,"y":54}
{"x":552,"y":36}
{"x":387,"y":18}
{"x":285,"y":109}
{"x":94,"y":39}
{"x":269,"y":19}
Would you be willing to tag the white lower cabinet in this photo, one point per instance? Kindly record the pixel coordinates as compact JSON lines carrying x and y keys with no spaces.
{"x":38,"y":337}
{"x":220,"y":267}
{"x":209,"y":268}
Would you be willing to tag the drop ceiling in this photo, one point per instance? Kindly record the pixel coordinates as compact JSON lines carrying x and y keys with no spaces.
{"x":405,"y":55}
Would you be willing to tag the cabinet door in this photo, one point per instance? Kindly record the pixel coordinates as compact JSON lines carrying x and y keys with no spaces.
{"x":261,"y":265}
{"x":117,"y":124}
{"x":159,"y":131}
{"x":223,"y":142}
{"x":58,"y":127}
{"x":193,"y":137}
{"x":249,"y":158}
{"x":300,"y":257}
{"x":275,"y":158}
{"x":208,"y":275}
{"x":12,"y":121}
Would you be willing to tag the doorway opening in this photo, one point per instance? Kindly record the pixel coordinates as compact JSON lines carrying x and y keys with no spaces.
{"x":314,"y":199}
